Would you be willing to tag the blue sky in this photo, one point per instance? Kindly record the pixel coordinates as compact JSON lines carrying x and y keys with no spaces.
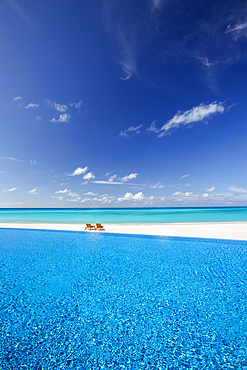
{"x":118,"y":103}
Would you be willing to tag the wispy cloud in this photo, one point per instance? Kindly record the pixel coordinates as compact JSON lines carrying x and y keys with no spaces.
{"x":238,"y":30}
{"x":19,"y":11}
{"x":121,"y":180}
{"x":195,"y":114}
{"x":178,"y":193}
{"x":33,"y":191}
{"x":128,"y":65}
{"x":131,"y":176}
{"x":59,"y":107}
{"x":104,"y":199}
{"x":32,"y":105}
{"x":130,"y":196}
{"x":18,"y":160}
{"x":76,"y":105}
{"x":103,"y":182}
{"x":184,"y":176}
{"x":72,"y":194}
{"x":186,"y":194}
{"x":155,"y":31}
{"x":66,"y":195}
{"x":210,"y":189}
{"x":133,"y":130}
{"x":156,"y":4}
{"x":237,"y":190}
{"x":62,"y":191}
{"x":90,"y":193}
{"x":79,"y":171}
{"x":63,"y":118}
{"x":112,"y":178}
{"x":123,"y":35}
{"x":157,"y":186}
{"x":17,"y":98}
{"x":12,"y":189}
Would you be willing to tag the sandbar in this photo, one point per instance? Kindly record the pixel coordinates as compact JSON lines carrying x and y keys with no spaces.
{"x":214,"y":230}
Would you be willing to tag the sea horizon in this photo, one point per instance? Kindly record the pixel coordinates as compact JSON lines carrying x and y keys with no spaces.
{"x":124,"y":215}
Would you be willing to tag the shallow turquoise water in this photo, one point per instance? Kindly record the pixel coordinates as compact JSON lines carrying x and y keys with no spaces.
{"x":125,"y":215}
{"x":74,"y":300}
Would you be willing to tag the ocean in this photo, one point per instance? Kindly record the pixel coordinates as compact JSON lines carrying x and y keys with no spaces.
{"x":123,"y":215}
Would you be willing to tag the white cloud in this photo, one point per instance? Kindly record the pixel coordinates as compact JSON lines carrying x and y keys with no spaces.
{"x":76,"y":105}
{"x":112,"y":178}
{"x":73,"y":195}
{"x":102,"y":199}
{"x":153,"y":128}
{"x":33,"y":191}
{"x":90,"y":193}
{"x":12,"y":189}
{"x":32,"y":105}
{"x":133,"y":130}
{"x":79,"y":171}
{"x":62,"y":191}
{"x":238,"y":30}
{"x":158,"y":185}
{"x":183,"y":177}
{"x":205,"y":195}
{"x":195,"y":114}
{"x":211,"y":189}
{"x":188,"y":193}
{"x":17,"y":98}
{"x":89,"y":176}
{"x":130,"y":196}
{"x":65,"y":117}
{"x":129,"y":177}
{"x":59,"y":107}
{"x":178,"y":193}
{"x":38,"y":118}
{"x":107,"y":182}
{"x":124,"y":179}
{"x":238,"y":190}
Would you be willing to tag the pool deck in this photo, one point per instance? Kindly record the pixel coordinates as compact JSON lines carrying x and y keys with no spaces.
{"x":215,"y":230}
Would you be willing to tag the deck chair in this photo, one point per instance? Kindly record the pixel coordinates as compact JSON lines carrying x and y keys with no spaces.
{"x":99,"y":227}
{"x":90,"y":227}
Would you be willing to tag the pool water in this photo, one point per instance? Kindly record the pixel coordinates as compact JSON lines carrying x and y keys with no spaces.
{"x":74,"y":300}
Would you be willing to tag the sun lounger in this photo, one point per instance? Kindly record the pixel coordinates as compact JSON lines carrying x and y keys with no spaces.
{"x":90,"y":227}
{"x":99,"y":227}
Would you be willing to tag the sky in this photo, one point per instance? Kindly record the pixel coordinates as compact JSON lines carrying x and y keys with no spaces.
{"x":122,"y":103}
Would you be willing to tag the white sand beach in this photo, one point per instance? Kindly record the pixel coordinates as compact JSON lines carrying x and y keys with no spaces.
{"x":215,"y":230}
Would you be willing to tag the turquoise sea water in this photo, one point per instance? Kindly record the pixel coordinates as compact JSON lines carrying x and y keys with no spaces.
{"x":76,"y":300}
{"x":125,"y":215}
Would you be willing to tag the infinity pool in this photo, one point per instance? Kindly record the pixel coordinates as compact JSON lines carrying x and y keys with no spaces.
{"x":74,"y":300}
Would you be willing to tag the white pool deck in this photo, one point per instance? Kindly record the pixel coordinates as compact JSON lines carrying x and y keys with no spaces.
{"x":215,"y":230}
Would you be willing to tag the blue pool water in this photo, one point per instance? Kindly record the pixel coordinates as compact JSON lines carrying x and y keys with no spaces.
{"x":74,"y":300}
{"x":124,"y":215}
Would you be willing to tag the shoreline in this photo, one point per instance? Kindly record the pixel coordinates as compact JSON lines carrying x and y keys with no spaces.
{"x":215,"y":230}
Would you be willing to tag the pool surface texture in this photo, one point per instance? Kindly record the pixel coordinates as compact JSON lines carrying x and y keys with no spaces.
{"x":72,"y":300}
